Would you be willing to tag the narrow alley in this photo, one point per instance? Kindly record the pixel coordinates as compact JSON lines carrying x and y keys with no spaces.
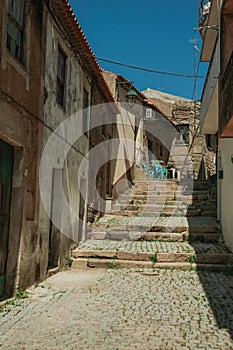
{"x":116,"y":219}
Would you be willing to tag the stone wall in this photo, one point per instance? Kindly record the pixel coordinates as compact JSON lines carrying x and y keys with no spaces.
{"x":185,"y":112}
{"x":20,"y":111}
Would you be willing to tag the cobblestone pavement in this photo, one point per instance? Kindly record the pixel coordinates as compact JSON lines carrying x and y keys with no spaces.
{"x":153,"y":246}
{"x":123,"y":309}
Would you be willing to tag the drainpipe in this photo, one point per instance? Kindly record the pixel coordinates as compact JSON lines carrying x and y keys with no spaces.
{"x":203,"y":157}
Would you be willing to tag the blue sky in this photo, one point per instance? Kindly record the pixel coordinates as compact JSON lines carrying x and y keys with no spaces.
{"x":152,"y":34}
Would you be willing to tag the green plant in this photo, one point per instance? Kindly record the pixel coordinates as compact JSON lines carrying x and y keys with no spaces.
{"x":110,"y":265}
{"x":193,"y":268}
{"x":153,"y":258}
{"x":21,"y":294}
{"x":69,"y":261}
{"x":10,"y":302}
{"x":192,"y":259}
{"x":2,"y":308}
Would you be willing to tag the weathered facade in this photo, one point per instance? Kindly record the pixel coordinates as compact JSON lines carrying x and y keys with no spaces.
{"x":73,"y":83}
{"x":185,"y":116}
{"x":47,"y":74}
{"x":217,"y":108}
{"x":128,"y":130}
{"x":21,"y":110}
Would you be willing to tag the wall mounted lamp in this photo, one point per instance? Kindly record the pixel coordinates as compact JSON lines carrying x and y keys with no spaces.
{"x":131,"y":95}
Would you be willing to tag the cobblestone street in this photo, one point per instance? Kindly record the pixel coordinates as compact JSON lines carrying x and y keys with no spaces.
{"x":123,"y":309}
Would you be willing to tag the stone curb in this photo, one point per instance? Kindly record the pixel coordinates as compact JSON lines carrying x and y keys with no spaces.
{"x":83,"y":264}
{"x":135,"y":256}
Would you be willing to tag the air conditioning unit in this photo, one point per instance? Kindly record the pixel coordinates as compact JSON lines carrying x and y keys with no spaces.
{"x":149,"y":112}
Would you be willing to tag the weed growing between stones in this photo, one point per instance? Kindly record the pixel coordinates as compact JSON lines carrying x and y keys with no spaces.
{"x":153,"y":258}
{"x":21,"y":294}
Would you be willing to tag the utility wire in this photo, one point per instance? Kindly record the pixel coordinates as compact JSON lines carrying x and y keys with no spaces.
{"x":151,"y":70}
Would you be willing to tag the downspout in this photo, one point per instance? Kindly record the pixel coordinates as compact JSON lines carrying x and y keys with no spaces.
{"x":203,"y":157}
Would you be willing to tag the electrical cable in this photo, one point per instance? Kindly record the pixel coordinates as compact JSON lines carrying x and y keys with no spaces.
{"x":152,"y":70}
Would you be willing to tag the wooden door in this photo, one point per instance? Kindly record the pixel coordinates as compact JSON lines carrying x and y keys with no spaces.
{"x":6,"y":169}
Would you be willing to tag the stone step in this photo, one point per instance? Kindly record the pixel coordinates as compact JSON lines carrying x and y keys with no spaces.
{"x":155,"y":236}
{"x":155,"y":252}
{"x":173,"y":194}
{"x":81,"y":264}
{"x":158,"y":197}
{"x":156,"y":185}
{"x":160,"y":228}
{"x":223,"y":259}
{"x":153,"y":206}
{"x":192,"y":213}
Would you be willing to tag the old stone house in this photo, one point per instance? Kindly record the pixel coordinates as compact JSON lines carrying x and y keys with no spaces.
{"x":73,"y":83}
{"x":139,"y":128}
{"x":217,"y":107}
{"x":185,"y":117}
{"x":128,"y":129}
{"x":21,"y":102}
{"x":48,"y":73}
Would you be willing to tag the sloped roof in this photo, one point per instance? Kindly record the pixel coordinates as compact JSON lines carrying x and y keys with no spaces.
{"x":121,"y":78}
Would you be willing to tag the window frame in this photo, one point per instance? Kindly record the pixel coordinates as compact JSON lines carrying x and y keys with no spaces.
{"x":61,"y":80}
{"x":16,"y":48}
{"x":85,"y":111}
{"x":180,"y":128}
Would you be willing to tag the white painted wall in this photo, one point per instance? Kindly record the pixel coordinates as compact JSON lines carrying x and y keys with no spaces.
{"x":126,"y":134}
{"x":226,"y":152}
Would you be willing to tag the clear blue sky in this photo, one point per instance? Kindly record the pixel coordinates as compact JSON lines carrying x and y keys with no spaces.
{"x":151,"y":33}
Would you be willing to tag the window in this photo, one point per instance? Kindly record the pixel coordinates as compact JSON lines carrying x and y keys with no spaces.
{"x":61,"y":78}
{"x":148,"y":113}
{"x":15,"y":28}
{"x":183,"y":131}
{"x":85,"y":112}
{"x":161,"y":150}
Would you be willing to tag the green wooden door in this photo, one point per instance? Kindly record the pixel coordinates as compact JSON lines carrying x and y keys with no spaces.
{"x":6,"y":168}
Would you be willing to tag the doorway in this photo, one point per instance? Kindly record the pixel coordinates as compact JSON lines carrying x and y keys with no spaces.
{"x":56,"y":208}
{"x":82,"y":205}
{"x":6,"y":169}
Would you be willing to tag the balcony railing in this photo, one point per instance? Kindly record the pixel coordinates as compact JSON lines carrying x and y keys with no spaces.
{"x":203,"y":12}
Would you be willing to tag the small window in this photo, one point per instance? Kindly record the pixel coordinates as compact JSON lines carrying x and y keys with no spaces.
{"x":15,"y":28}
{"x":85,"y":112}
{"x":61,"y":78}
{"x":104,"y":129}
{"x":161,"y":150}
{"x":183,"y":131}
{"x":209,"y":141}
{"x":148,"y":113}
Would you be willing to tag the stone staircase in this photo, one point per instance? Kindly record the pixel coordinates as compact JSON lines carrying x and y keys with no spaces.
{"x":159,"y":223}
{"x":165,"y":198}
